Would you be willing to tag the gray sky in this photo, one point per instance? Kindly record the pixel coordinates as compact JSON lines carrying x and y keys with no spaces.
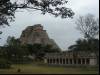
{"x":63,"y":31}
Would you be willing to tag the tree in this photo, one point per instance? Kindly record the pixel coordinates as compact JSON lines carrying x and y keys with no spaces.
{"x":88,"y":26}
{"x":40,"y":50}
{"x":49,"y":49}
{"x":4,"y":62}
{"x":54,"y":7}
{"x":15,"y":51}
{"x":11,"y":41}
{"x":91,"y":45}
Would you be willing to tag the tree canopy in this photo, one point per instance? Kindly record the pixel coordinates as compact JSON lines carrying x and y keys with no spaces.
{"x":91,"y":45}
{"x":54,"y":7}
{"x":16,"y":52}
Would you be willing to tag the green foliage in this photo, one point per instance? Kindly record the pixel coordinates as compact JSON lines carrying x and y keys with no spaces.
{"x":91,"y":45}
{"x":9,"y":7}
{"x":4,"y":63}
{"x":11,"y":41}
{"x":40,"y":50}
{"x":87,"y":45}
{"x":18,"y":53}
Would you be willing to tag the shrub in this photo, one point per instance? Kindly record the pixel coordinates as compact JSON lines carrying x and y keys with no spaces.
{"x":4,"y":63}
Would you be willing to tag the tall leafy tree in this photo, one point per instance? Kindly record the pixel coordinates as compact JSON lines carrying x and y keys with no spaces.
{"x":15,"y":51}
{"x":91,"y":45}
{"x":11,"y":41}
{"x":54,"y":7}
{"x":40,"y":50}
{"x":4,"y":62}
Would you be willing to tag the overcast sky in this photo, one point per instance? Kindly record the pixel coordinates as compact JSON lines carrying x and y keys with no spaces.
{"x":63,"y":31}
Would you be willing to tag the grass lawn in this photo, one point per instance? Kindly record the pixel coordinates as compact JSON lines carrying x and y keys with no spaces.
{"x":36,"y":69}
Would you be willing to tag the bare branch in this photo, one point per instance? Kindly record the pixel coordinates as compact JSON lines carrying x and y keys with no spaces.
{"x":88,"y":25}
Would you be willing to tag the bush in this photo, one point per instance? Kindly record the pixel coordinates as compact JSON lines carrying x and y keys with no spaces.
{"x":4,"y":63}
{"x":21,"y":60}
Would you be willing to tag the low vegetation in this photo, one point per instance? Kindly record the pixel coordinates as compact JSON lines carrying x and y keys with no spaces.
{"x":45,"y":69}
{"x":4,"y":63}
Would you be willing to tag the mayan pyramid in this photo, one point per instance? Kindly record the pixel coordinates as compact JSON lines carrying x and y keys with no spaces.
{"x":37,"y":35}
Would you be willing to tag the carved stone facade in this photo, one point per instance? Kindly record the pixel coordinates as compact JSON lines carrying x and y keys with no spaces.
{"x":71,"y":58}
{"x":37,"y":35}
